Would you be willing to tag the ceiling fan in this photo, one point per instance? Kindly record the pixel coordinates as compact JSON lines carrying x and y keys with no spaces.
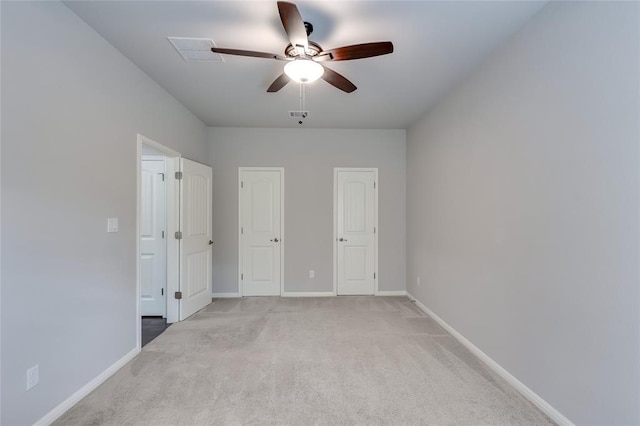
{"x":304,"y":56}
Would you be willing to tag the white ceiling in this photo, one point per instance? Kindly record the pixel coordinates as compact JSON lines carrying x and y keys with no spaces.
{"x":436,"y":44}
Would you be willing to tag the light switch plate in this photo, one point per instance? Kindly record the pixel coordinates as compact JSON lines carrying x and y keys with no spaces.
{"x":112,"y":224}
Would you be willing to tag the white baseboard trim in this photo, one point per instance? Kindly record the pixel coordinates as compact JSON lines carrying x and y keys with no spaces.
{"x":543,"y":405}
{"x":308,"y":294}
{"x":225,"y":295}
{"x":391,"y":293}
{"x":62,"y":408}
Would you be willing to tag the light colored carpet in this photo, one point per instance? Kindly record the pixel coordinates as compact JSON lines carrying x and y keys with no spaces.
{"x":303,"y":361}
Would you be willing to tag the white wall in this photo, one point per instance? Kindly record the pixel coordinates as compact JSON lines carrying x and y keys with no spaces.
{"x":523,"y":209}
{"x":308,"y":157}
{"x":71,"y":108}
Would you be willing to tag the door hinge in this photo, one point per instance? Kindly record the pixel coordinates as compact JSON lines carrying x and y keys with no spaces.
{"x":374,"y":275}
{"x":241,"y":277}
{"x":242,"y":230}
{"x":178,"y":175}
{"x":162,"y":234}
{"x":178,"y":295}
{"x":162,"y":174}
{"x":162,"y":292}
{"x":374,"y":229}
{"x":241,"y":184}
{"x":374,"y":185}
{"x":178,"y":235}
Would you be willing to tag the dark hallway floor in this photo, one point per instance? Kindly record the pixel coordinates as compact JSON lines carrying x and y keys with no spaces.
{"x":152,"y":327}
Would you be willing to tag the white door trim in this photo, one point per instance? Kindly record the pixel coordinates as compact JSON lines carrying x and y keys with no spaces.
{"x":335,"y":223}
{"x":282,"y":236}
{"x":173,"y":199}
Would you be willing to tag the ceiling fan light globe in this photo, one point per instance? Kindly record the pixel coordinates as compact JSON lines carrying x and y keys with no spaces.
{"x":303,"y":70}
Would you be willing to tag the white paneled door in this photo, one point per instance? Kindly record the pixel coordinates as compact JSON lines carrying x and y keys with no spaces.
{"x":261,"y":231}
{"x":195,"y":245}
{"x":355,"y":225}
{"x":153,"y":246}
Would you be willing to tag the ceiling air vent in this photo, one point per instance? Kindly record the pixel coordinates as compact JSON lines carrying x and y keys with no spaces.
{"x":195,"y":49}
{"x":298,"y":114}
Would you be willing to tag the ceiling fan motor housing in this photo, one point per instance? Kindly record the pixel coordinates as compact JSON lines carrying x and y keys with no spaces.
{"x":312,"y":50}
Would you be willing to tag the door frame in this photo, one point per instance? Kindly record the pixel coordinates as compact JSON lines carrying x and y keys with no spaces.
{"x":336,"y":170}
{"x":258,"y":169}
{"x":172,"y":223}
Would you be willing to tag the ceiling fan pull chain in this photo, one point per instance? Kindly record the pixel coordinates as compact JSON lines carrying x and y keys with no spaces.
{"x":301,"y":97}
{"x":302,"y":104}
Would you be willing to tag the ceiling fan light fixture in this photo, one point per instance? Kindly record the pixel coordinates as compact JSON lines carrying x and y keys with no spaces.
{"x":303,"y":70}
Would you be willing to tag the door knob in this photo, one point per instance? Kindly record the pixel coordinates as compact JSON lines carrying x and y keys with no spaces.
{"x":342,"y":239}
{"x":275,"y":240}
{"x":210,"y":242}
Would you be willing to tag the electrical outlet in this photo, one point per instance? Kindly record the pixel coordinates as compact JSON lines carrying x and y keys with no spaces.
{"x":312,"y":273}
{"x":33,"y":376}
{"x":418,"y":280}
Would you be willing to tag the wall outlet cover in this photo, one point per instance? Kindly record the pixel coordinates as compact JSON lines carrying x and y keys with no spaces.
{"x":33,"y":376}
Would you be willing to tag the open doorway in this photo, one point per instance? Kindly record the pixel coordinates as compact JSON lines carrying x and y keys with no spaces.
{"x":153,"y":244}
{"x":158,"y":209}
{"x":174,"y":237}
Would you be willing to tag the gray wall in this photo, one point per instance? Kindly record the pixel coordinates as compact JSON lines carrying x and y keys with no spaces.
{"x":71,"y":108}
{"x":523,"y":209}
{"x":308,"y":157}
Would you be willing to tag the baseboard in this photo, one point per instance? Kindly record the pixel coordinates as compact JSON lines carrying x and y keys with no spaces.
{"x":62,"y":408}
{"x":391,"y":293}
{"x":543,"y":405}
{"x":308,"y":294}
{"x":225,"y":295}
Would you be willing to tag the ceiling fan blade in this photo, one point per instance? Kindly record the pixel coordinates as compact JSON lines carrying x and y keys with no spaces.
{"x":293,"y":24}
{"x":337,"y":80}
{"x":278,"y":83}
{"x":356,"y":51}
{"x":250,"y":53}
